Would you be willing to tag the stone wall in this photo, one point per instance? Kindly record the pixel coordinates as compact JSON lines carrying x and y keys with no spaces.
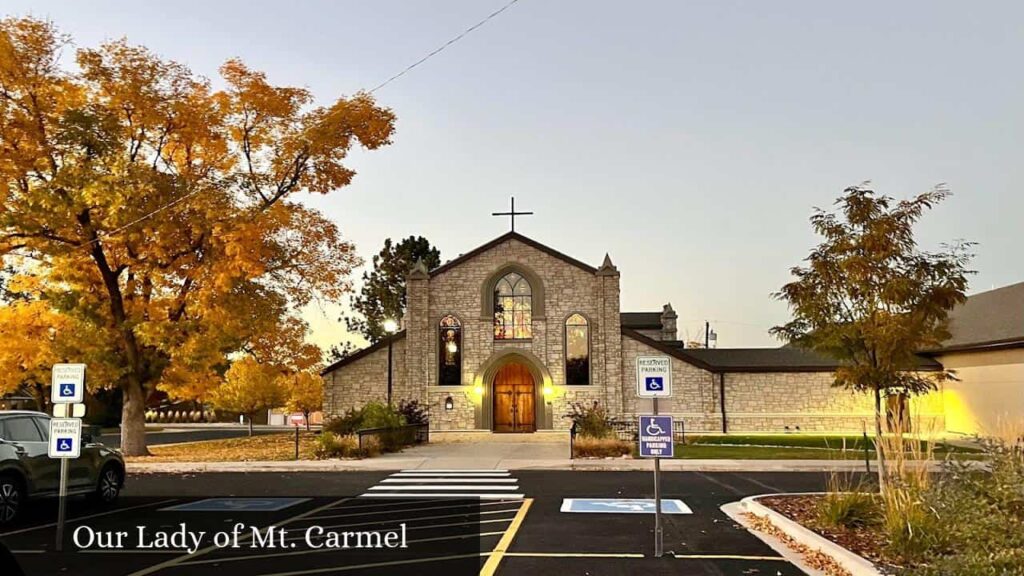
{"x":771,"y":401}
{"x":366,"y":380}
{"x":567,"y":289}
{"x":694,"y":392}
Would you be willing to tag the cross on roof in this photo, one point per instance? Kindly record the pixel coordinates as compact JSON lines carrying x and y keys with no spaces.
{"x":512,"y":213}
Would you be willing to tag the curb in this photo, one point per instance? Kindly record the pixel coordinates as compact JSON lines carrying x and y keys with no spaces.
{"x":853,"y":563}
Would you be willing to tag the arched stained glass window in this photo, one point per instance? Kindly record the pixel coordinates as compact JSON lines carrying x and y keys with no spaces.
{"x":577,"y":351}
{"x":449,"y":351}
{"x":513,"y":308}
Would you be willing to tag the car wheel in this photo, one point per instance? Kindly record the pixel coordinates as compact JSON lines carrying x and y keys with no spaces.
{"x":109,"y":485}
{"x":12,"y":494}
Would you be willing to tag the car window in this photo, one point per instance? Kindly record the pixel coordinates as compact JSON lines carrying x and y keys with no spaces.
{"x":21,"y":430}
{"x":44,"y":427}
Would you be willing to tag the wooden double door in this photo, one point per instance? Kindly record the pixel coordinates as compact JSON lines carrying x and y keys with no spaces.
{"x":514,"y":399}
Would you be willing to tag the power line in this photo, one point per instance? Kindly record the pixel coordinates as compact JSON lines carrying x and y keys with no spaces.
{"x":443,"y":46}
{"x":433,"y":53}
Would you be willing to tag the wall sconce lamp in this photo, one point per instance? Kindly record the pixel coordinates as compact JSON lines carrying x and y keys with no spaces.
{"x":478,"y":390}
{"x":449,"y":403}
{"x":548,"y":391}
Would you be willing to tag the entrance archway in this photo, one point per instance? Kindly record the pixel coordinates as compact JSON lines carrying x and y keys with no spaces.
{"x":514,"y":396}
{"x":487,"y":376}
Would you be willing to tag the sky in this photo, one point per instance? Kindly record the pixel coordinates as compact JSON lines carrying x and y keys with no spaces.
{"x":689,"y":140}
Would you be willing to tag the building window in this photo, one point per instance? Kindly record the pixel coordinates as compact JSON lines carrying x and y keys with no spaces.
{"x":577,"y":351}
{"x":513,"y":308}
{"x":449,"y":351}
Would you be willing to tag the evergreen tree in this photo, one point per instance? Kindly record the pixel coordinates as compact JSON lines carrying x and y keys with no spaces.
{"x":383,"y":294}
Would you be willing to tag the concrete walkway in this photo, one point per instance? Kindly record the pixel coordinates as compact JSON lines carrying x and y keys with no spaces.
{"x":496,"y":455}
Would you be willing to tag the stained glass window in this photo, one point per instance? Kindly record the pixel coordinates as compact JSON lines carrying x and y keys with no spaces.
{"x":449,"y":352}
{"x":513,"y":308}
{"x":577,"y":351}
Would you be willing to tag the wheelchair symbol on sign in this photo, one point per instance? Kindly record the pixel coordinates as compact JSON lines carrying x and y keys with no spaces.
{"x":655,"y":429}
{"x":654,"y":383}
{"x":64,"y":445}
{"x":67,"y":390}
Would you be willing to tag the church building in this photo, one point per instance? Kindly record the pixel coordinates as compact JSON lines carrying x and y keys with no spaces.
{"x":505,"y":338}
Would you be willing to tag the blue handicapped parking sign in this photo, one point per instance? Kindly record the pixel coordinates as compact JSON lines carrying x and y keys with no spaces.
{"x":67,"y":390}
{"x":65,"y":445}
{"x":654,"y":383}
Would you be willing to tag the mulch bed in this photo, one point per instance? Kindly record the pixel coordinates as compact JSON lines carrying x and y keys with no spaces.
{"x":866,"y":541}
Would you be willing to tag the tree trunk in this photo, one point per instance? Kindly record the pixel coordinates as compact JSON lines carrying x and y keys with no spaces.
{"x":879,"y":450}
{"x":249,"y":418}
{"x":306,"y":416}
{"x":133,"y":420}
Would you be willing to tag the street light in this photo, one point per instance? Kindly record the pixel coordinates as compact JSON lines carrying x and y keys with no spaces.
{"x":390,"y":327}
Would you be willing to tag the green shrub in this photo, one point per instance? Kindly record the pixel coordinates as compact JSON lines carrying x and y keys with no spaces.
{"x":979,"y":526}
{"x":372,"y":415}
{"x":378,"y":415}
{"x":852,"y":509}
{"x":590,"y":420}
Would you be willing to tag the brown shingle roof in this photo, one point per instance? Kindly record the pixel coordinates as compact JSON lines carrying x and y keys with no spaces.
{"x":753,"y":359}
{"x":991,"y":319}
{"x":641,"y":320}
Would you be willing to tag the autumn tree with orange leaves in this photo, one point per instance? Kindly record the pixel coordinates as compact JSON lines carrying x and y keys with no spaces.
{"x":151,"y":219}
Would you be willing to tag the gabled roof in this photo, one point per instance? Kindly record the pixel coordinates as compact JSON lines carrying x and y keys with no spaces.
{"x":662,"y":346}
{"x":520,"y":238}
{"x":641,"y":320}
{"x":987,"y":320}
{"x":785,"y":359}
{"x":382,"y":343}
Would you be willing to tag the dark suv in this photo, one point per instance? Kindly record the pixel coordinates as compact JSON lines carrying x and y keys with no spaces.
{"x":27,"y":471}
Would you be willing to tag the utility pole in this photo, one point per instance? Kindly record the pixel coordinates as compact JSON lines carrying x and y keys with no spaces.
{"x":707,"y":334}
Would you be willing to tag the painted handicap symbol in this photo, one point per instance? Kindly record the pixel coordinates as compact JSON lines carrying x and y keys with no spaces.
{"x":655,"y":429}
{"x":64,"y":445}
{"x":67,"y":390}
{"x":627,"y":505}
{"x":654,"y":383}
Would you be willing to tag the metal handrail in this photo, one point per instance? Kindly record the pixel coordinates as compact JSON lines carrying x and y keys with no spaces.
{"x":422,"y":432}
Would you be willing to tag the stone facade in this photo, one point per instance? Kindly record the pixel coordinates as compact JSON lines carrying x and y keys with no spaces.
{"x":761,"y":401}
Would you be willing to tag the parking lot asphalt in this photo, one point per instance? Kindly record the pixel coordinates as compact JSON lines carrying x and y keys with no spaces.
{"x":522,"y":531}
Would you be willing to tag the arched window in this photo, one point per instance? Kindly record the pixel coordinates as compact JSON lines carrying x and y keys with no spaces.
{"x":449,"y":351}
{"x":577,"y":351}
{"x":513,"y":308}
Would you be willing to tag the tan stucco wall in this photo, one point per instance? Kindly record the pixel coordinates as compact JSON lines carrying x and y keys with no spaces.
{"x":989,"y":396}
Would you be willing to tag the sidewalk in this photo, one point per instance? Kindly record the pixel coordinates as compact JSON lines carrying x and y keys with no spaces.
{"x":395,"y":462}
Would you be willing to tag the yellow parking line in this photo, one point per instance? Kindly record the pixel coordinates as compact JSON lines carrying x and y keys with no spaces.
{"x":491,"y":566}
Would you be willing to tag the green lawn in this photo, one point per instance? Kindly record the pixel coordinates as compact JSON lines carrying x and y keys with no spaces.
{"x":795,"y":446}
{"x":713,"y":452}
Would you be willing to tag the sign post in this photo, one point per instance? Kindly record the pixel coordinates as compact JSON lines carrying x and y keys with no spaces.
{"x":67,"y":386}
{"x":654,"y":380}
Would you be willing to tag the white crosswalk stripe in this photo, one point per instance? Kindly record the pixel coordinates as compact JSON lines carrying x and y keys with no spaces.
{"x":482,"y":484}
